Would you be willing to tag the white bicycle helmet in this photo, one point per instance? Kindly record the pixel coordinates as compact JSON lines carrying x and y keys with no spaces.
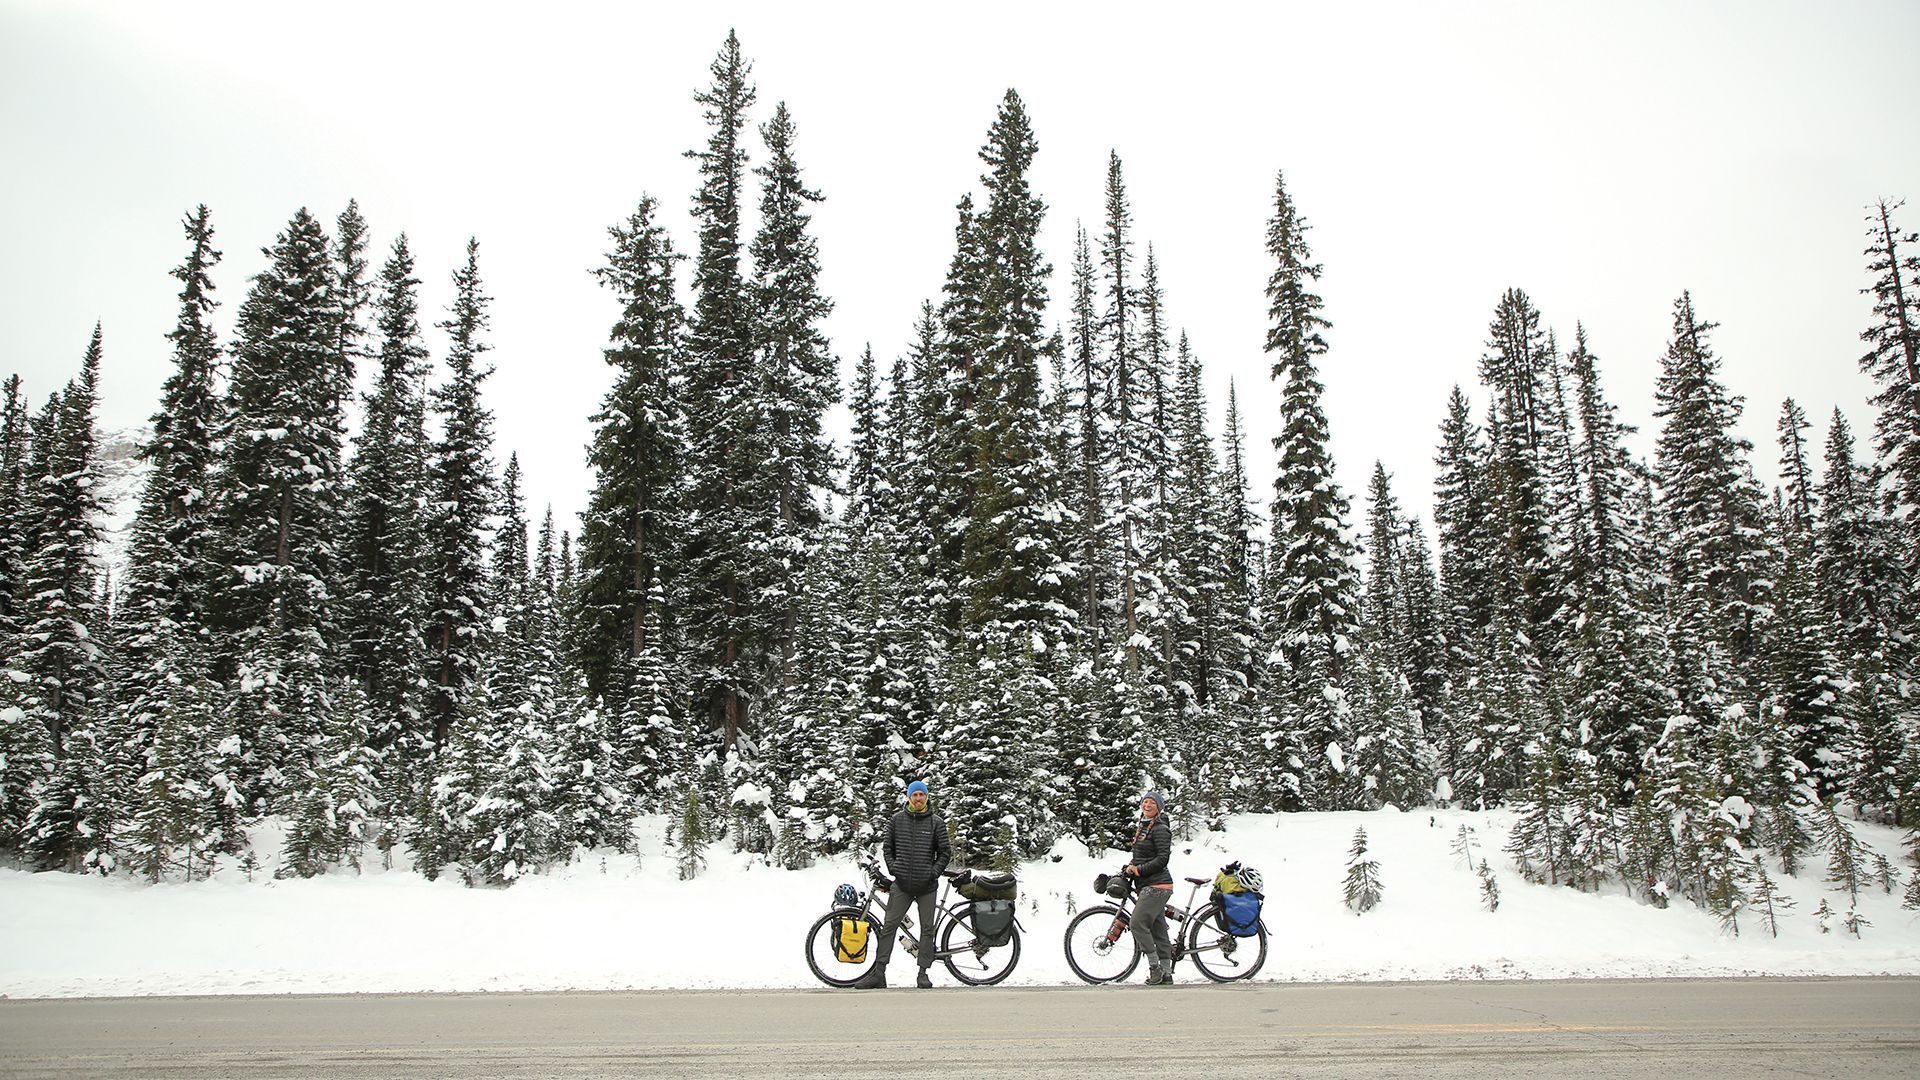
{"x":1251,"y":880}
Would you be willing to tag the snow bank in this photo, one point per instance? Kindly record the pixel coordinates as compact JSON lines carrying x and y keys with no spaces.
{"x":626,"y":922}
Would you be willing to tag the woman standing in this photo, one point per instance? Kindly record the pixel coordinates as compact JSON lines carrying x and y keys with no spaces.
{"x":1152,"y":849}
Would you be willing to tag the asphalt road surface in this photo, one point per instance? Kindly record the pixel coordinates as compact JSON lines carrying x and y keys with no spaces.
{"x":1616,"y":1029}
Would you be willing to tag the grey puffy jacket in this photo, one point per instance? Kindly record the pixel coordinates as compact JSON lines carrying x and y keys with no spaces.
{"x":916,"y":850}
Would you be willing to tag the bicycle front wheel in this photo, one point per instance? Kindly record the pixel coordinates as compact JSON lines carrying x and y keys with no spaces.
{"x":1100,"y":948}
{"x":970,"y":961}
{"x":825,"y":961}
{"x":1219,"y":955}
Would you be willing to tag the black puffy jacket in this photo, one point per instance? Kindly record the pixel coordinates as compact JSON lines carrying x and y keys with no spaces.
{"x":1152,"y":850}
{"x":916,"y":849}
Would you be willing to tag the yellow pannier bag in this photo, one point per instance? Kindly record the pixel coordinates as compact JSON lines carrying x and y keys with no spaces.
{"x":850,"y":940}
{"x":1228,"y":884}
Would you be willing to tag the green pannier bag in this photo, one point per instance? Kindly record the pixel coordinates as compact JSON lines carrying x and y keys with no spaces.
{"x":850,"y":935}
{"x":989,"y":885}
{"x":992,"y":922}
{"x":1228,"y":884}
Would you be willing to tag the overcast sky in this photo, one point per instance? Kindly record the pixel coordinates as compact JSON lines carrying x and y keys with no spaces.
{"x":1602,"y":157}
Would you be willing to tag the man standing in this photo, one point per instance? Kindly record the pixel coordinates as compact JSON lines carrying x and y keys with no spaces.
{"x":916,"y":850}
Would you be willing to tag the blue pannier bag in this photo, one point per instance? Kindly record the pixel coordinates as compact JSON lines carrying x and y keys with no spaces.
{"x":1243,"y":913}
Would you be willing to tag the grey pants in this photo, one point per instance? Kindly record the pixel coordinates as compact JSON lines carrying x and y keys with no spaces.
{"x":1150,"y":927}
{"x":897,"y":901}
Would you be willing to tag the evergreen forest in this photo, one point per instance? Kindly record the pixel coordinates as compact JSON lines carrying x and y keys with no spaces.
{"x":1035,"y":575}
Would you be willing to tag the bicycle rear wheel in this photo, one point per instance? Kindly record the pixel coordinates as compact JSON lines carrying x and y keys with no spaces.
{"x":1100,"y":948}
{"x":970,"y":961}
{"x":826,"y":963}
{"x":1219,"y":955}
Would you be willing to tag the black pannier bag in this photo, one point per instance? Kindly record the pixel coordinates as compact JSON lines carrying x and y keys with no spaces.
{"x":989,"y":885}
{"x":992,"y":922}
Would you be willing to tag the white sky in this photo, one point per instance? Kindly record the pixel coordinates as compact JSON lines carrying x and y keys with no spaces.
{"x":1601,"y":156}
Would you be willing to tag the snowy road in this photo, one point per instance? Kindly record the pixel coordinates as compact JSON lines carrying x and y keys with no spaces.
{"x":1802,"y":1027}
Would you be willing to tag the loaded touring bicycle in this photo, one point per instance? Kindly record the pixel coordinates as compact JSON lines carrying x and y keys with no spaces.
{"x":975,"y":932}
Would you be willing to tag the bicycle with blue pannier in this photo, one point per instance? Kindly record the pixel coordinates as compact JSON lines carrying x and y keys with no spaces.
{"x":1226,"y":937}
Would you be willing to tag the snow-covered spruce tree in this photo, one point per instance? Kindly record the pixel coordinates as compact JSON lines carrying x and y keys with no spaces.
{"x":1090,"y":405}
{"x":1206,"y":658}
{"x":1704,"y":821}
{"x":1135,"y":448}
{"x":26,"y":758}
{"x":71,"y":825}
{"x":882,"y":692}
{"x":1616,"y":675}
{"x":1866,"y":595}
{"x":1768,"y":901}
{"x":15,"y":423}
{"x":279,"y":501}
{"x":1362,"y":888}
{"x":330,"y":800}
{"x":1392,"y":760}
{"x":462,"y":499}
{"x":1520,"y":369}
{"x":440,"y":830}
{"x":169,"y":580}
{"x":185,"y":807}
{"x":25,"y":749}
{"x":801,"y":734}
{"x":387,"y":547}
{"x":1720,"y":568}
{"x":1463,"y":517}
{"x":1241,"y":653}
{"x":1847,"y":859}
{"x":635,"y":453}
{"x":60,"y":651}
{"x":61,"y":655}
{"x":886,"y":629}
{"x":992,"y":527}
{"x":654,"y":751}
{"x":1802,"y":710}
{"x":1389,"y":761}
{"x":590,"y":793}
{"x":516,"y":815}
{"x":1311,"y":592}
{"x":1168,"y":593}
{"x":1014,"y":549}
{"x":1543,"y":840}
{"x":1509,"y":695}
{"x":692,"y":858}
{"x":798,"y":372}
{"x":725,"y":487}
{"x":1893,"y":354}
{"x":514,"y":828}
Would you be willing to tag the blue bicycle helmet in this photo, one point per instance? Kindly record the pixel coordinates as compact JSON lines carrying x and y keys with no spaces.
{"x":846,"y":896}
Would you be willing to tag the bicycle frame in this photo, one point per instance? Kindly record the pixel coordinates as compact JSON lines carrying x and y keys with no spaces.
{"x":1173,"y":912}
{"x":943,"y":914}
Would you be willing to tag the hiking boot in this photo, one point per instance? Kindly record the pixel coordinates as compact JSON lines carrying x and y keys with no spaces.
{"x":873,"y":980}
{"x":925,"y":981}
{"x":1154,"y":975}
{"x":1166,"y":977}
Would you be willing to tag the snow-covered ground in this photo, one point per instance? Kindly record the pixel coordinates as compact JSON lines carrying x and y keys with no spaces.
{"x":626,"y":922}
